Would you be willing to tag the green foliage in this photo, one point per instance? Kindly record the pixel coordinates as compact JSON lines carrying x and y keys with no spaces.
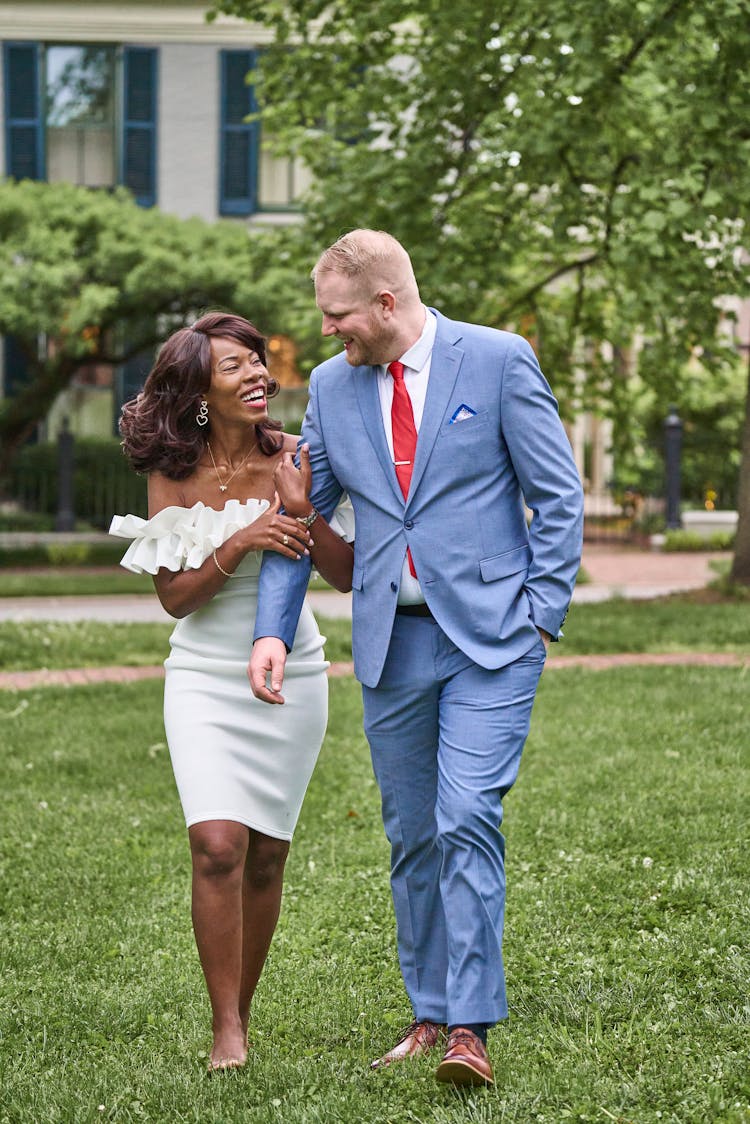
{"x":14,"y":520}
{"x":690,"y":540}
{"x":575,"y":170}
{"x":103,"y":279}
{"x":103,"y":482}
{"x":712,"y":404}
{"x":576,"y":166}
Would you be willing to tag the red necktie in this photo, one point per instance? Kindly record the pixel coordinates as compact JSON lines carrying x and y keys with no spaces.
{"x":404,"y":435}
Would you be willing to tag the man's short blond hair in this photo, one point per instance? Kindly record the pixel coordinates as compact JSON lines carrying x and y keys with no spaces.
{"x":374,"y":259}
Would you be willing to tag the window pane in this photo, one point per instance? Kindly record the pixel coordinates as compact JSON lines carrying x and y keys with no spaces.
{"x":80,"y":85}
{"x":80,"y":115}
{"x":282,"y":180}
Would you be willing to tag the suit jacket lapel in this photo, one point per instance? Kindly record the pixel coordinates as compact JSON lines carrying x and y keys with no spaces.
{"x":366,"y":385}
{"x":444,"y":367}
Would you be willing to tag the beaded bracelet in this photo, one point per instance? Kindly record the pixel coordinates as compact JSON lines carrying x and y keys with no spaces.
{"x":220,"y":568}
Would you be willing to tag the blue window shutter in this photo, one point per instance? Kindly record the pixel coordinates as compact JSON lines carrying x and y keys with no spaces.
{"x":138,"y":153}
{"x":24,"y":131}
{"x":238,"y":158}
{"x":16,"y":374}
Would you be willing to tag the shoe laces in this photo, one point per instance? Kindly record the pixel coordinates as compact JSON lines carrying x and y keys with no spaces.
{"x":412,"y":1028}
{"x":461,"y":1037}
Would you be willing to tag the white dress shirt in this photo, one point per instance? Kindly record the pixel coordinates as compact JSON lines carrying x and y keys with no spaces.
{"x":417,"y":361}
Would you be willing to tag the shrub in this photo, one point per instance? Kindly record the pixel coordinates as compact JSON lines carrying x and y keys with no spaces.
{"x":691,"y":540}
{"x":104,"y":484}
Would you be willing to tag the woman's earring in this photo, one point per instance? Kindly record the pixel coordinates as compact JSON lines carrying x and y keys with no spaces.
{"x":202,"y":415}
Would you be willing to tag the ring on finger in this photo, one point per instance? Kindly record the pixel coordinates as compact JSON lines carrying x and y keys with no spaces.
{"x":285,"y":540}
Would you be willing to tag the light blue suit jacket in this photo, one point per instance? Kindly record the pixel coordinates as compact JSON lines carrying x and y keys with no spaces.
{"x":488,"y":579}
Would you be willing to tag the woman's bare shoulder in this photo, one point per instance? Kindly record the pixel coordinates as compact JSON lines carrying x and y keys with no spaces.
{"x":164,"y":492}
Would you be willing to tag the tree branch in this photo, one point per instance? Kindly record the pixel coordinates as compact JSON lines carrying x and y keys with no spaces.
{"x":524,"y":298}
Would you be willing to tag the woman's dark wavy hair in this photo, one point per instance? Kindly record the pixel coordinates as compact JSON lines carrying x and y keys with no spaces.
{"x":158,"y":427}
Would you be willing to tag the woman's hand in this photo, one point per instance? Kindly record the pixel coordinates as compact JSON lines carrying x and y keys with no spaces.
{"x":293,"y":484}
{"x":272,"y":531}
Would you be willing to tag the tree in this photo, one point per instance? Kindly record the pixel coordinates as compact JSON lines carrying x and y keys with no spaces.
{"x":576,"y":170}
{"x":89,"y":277}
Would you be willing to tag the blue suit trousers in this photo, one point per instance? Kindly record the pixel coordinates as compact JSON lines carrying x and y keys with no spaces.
{"x":446,"y":738}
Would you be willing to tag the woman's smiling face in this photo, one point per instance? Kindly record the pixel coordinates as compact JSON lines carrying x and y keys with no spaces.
{"x":238,"y":382}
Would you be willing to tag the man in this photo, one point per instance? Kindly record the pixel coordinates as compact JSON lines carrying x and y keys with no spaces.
{"x":454,"y":604}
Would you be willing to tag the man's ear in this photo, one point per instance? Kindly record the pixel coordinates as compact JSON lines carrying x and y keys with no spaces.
{"x":386,"y":302}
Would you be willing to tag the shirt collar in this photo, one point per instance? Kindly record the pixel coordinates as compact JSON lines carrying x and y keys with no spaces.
{"x":417,"y":355}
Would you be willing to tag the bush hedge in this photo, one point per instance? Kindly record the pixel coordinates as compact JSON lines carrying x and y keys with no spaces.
{"x":104,"y":484}
{"x":691,"y":540}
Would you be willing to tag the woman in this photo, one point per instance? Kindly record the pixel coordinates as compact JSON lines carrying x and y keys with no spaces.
{"x":217,"y":469}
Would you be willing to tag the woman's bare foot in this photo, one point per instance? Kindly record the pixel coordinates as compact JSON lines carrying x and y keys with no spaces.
{"x":229,"y":1050}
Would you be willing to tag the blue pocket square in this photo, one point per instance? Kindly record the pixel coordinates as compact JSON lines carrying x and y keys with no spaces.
{"x":462,"y":413}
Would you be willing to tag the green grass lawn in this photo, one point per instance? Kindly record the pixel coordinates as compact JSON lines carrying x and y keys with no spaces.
{"x":72,"y":583}
{"x":672,"y":624}
{"x":25,"y":645}
{"x":69,"y":582}
{"x":679,"y":623}
{"x":626,"y":941}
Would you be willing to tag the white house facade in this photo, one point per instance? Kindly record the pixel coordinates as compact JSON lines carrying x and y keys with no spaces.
{"x":148,"y":95}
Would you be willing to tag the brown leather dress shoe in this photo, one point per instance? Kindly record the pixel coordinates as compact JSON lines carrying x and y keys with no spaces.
{"x":415,"y":1039}
{"x":465,"y":1061}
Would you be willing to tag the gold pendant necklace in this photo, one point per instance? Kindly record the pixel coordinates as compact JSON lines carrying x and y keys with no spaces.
{"x":224,"y":484}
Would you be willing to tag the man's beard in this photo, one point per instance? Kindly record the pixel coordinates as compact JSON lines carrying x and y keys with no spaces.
{"x":372,"y":353}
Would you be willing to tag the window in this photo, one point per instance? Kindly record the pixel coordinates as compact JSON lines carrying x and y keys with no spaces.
{"x":282,"y":182}
{"x":251,"y":178}
{"x":80,"y":100}
{"x":66,"y":119}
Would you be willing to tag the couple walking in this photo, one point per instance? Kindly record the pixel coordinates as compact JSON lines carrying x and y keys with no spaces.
{"x":440,"y":434}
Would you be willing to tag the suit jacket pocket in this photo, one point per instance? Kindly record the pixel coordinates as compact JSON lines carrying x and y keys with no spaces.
{"x":358,"y":576}
{"x":465,"y":428}
{"x":505,"y":564}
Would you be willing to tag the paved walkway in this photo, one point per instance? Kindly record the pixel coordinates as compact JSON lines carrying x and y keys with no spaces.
{"x":635,"y":574}
{"x":642,"y":574}
{"x":613,"y":572}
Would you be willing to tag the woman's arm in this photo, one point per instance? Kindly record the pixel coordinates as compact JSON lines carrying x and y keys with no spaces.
{"x":332,"y":557}
{"x":181,"y":592}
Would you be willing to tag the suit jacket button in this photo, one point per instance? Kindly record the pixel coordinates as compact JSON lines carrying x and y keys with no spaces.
{"x":409,"y":524}
{"x":394,"y":587}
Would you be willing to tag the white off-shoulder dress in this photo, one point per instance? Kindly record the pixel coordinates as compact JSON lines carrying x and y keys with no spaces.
{"x":234,"y":757}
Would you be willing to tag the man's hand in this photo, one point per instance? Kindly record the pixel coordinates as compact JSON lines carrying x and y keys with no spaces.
{"x":293,"y":484}
{"x":545,"y":637}
{"x":268,"y":660}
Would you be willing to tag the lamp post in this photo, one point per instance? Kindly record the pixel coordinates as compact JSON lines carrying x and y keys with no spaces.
{"x":65,"y":519}
{"x":672,"y":456}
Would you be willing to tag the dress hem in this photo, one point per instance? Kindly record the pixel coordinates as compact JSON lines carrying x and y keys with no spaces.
{"x":273,"y":833}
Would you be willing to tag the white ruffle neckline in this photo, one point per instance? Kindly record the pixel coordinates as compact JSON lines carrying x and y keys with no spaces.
{"x":181,"y":538}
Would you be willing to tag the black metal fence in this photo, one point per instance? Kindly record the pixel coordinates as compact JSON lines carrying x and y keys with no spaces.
{"x":103,"y":483}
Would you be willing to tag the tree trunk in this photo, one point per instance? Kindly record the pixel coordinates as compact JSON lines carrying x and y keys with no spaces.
{"x":21,"y":413}
{"x":740,"y":572}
